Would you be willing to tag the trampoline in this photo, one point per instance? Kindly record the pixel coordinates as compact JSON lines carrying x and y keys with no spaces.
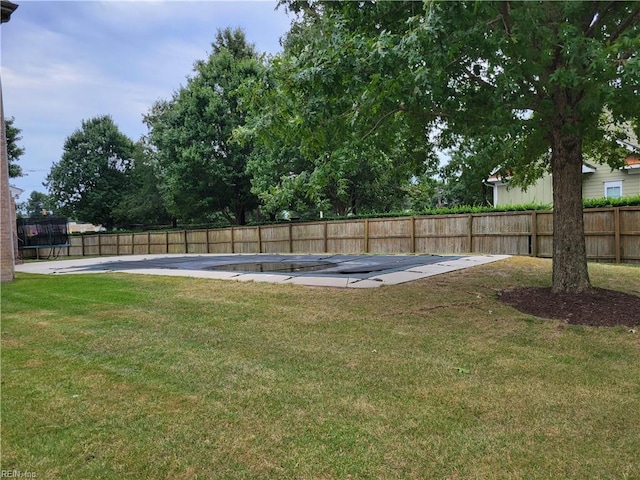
{"x":42,"y":233}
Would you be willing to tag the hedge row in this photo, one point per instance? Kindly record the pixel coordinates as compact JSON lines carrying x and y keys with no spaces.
{"x":590,"y":203}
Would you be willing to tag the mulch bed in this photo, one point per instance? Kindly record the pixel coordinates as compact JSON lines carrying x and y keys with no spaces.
{"x":602,"y":308}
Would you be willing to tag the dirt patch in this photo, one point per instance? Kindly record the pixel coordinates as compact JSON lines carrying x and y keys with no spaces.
{"x":602,"y":308}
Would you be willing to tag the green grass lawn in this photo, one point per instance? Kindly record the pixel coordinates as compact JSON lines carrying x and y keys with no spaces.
{"x":129,"y":376}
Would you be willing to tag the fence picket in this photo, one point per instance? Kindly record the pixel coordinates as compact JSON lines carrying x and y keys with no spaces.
{"x":611,"y":234}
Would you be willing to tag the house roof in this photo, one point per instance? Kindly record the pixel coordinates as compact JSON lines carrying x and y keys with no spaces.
{"x":631,"y":162}
{"x":15,"y":191}
{"x":7,"y":9}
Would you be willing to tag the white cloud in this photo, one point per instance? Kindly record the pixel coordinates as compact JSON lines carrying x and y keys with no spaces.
{"x":66,"y":61}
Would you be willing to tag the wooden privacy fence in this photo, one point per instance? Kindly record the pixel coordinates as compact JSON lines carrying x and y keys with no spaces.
{"x":612,"y":235}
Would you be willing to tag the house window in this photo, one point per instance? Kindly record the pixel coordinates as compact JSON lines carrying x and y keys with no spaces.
{"x":613,"y":189}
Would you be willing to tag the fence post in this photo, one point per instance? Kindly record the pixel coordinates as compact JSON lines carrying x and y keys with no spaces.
{"x":148,"y":243}
{"x":413,"y":234}
{"x":366,"y":235}
{"x":290,"y":237}
{"x":470,"y":233}
{"x":616,"y":227}
{"x":534,"y":233}
{"x":82,"y":246}
{"x":186,"y":243}
{"x":259,"y":239}
{"x":326,"y":237}
{"x":99,"y":244}
{"x":233,"y":249}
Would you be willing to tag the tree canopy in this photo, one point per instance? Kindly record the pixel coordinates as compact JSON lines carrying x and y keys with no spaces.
{"x":313,"y":147}
{"x":525,"y":86}
{"x":14,"y":151}
{"x":203,"y":170}
{"x":88,"y":182}
{"x":141,"y":203}
{"x":36,"y":204}
{"x":533,"y":86}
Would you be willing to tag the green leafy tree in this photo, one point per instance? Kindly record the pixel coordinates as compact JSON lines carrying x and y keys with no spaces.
{"x":14,"y":152}
{"x":142,"y":203}
{"x":88,"y":182}
{"x":533,"y":82}
{"x":464,"y":178}
{"x":203,"y":169}
{"x":37,"y":203}
{"x":314,"y":148}
{"x":527,"y":86}
{"x":278,"y":182}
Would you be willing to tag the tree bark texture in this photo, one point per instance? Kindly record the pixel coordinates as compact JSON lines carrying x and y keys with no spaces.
{"x":570,"y":273}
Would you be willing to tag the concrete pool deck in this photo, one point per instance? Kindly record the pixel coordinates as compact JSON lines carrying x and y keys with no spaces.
{"x":339,"y":270}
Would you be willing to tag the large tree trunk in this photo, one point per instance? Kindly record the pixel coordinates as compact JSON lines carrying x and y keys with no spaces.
{"x":570,"y":274}
{"x":241,"y":215}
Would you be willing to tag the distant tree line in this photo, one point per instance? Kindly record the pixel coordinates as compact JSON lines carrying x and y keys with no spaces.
{"x":248,"y":139}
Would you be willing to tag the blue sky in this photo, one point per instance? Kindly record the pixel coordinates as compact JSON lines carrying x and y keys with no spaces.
{"x":66,"y":61}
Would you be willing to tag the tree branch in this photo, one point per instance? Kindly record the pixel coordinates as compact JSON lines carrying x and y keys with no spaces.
{"x":503,"y":17}
{"x":403,"y":108}
{"x":478,"y":79}
{"x":593,"y":21}
{"x":386,"y":115}
{"x":631,"y":20}
{"x":506,"y":18}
